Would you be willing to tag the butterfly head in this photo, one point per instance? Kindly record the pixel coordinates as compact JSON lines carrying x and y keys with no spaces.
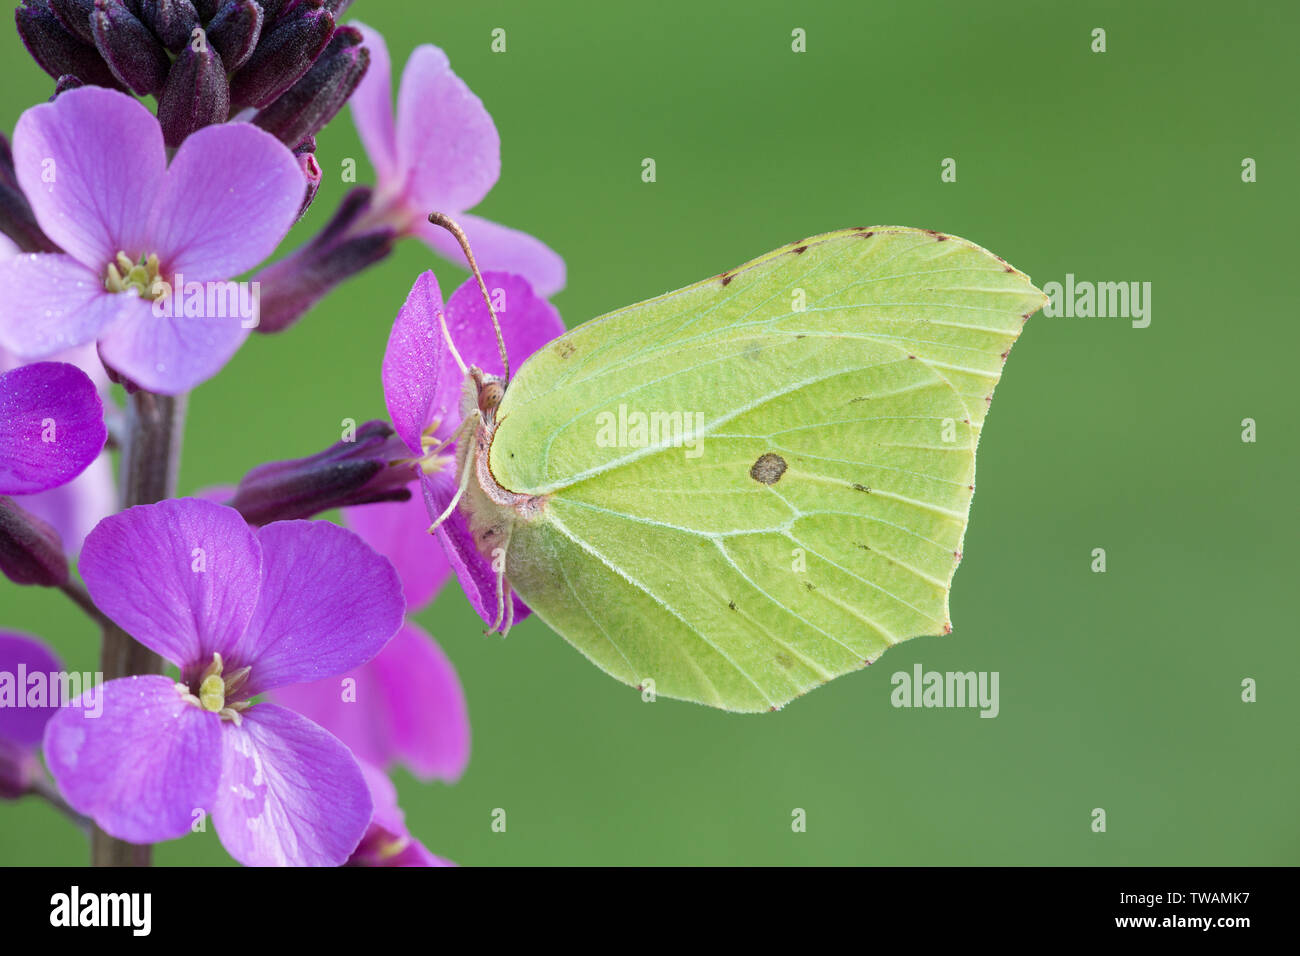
{"x":483,"y":393}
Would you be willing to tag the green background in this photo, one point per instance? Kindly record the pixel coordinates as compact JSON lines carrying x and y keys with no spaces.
{"x":1119,"y":690}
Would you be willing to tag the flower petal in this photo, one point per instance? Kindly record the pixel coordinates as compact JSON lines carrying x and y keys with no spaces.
{"x":472,"y":569}
{"x":52,"y":302}
{"x":180,"y":576}
{"x":328,"y":604}
{"x":170,"y":354}
{"x":527,"y":323}
{"x":399,"y":530}
{"x":290,"y":794}
{"x":144,"y":765}
{"x":413,"y":361}
{"x":387,"y":841}
{"x":447,"y":143}
{"x":404,"y":706}
{"x":229,"y":197}
{"x":372,"y":107}
{"x":51,"y":426}
{"x":19,"y":723}
{"x":90,"y":163}
{"x":501,"y":248}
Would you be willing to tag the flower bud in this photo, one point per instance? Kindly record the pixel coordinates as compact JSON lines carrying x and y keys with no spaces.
{"x":75,"y":15}
{"x":305,"y":108}
{"x":234,"y":32}
{"x":285,"y":52}
{"x":130,"y":50}
{"x":19,"y":769}
{"x":31,"y":551}
{"x":373,"y":466}
{"x":172,"y":21}
{"x":58,"y":51}
{"x":311,"y":173}
{"x":196,"y":94}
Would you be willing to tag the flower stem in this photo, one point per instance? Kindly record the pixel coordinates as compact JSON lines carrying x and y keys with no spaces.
{"x":150,"y":458}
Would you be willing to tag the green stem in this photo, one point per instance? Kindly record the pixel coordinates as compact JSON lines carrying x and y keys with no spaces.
{"x":150,"y":459}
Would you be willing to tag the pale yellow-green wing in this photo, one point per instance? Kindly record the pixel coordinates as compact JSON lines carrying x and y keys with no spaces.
{"x":761,"y":481}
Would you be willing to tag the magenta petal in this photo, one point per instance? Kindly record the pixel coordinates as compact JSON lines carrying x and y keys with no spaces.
{"x":230,"y":195}
{"x":51,"y":426}
{"x":180,"y":576}
{"x":144,"y":765}
{"x":446,"y":142}
{"x":472,"y":569}
{"x":24,"y":725}
{"x":399,"y":530}
{"x":413,"y":361}
{"x":387,"y":841}
{"x":501,"y":248}
{"x":328,"y":604}
{"x":405,"y":706}
{"x":290,"y":794}
{"x":372,"y":107}
{"x":90,"y":163}
{"x":169,"y":354}
{"x":527,"y":323}
{"x":52,"y":302}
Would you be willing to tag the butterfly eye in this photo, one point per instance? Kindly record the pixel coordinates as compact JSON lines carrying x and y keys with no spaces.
{"x":489,"y":397}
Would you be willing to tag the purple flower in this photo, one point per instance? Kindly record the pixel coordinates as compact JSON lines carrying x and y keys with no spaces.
{"x":240,"y":613}
{"x":51,"y":426}
{"x":21,"y":726}
{"x":387,"y":842}
{"x":147,"y":247}
{"x":423,"y":386}
{"x":407,"y":704}
{"x":440,"y":153}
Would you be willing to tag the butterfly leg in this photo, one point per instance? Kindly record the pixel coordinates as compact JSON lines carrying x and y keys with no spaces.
{"x":505,"y":601}
{"x":466,"y":469}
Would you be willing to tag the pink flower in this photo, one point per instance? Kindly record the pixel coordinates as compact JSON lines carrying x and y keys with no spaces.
{"x":93,"y":166}
{"x":440,"y":153}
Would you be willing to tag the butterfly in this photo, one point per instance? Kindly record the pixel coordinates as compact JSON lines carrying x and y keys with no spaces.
{"x":737,"y":491}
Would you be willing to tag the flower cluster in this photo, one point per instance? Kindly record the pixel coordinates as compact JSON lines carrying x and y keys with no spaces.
{"x":264,"y":668}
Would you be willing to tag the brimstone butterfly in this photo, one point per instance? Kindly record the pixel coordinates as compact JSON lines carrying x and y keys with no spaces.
{"x":749,"y":486}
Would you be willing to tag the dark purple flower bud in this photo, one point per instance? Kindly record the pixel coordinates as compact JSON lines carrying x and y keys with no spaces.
{"x":337,"y":7}
{"x":272,"y":8}
{"x":285,"y":52}
{"x":16,"y":218}
{"x":172,"y":21}
{"x":311,"y":173}
{"x":196,"y":95}
{"x":75,"y":15}
{"x":371,"y":465}
{"x":56,"y":50}
{"x":293,"y":285}
{"x":314,"y":100}
{"x":63,"y":84}
{"x":18,"y":769}
{"x":234,"y":32}
{"x":131,"y":51}
{"x":31,"y":551}
{"x":207,"y":9}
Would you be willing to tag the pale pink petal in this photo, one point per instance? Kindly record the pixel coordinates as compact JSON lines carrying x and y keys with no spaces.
{"x":52,"y":302}
{"x":170,"y":354}
{"x":90,"y":164}
{"x":372,"y":108}
{"x":399,"y":530}
{"x":446,"y":141}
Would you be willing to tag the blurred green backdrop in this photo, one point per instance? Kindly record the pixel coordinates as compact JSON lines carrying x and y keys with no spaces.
{"x":1119,"y":690}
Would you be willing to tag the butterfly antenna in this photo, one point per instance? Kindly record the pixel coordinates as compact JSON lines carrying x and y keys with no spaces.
{"x":439,"y":219}
{"x":442,"y":320}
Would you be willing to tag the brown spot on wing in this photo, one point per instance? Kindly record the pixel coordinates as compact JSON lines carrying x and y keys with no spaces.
{"x":768,"y":469}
